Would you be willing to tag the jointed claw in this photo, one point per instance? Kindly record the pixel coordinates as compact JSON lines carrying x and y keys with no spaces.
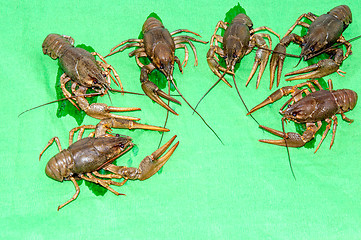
{"x":153,"y":92}
{"x":318,"y":70}
{"x":292,"y":139}
{"x":148,"y":167}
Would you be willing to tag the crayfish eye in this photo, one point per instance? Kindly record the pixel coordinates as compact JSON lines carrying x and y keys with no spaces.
{"x":117,"y":135}
{"x":104,"y":75}
{"x":294,"y":114}
{"x":234,"y":55}
{"x":95,"y":81}
{"x":161,"y":66}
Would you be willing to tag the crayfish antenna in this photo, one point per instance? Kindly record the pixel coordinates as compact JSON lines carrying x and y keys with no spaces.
{"x":244,"y":104}
{"x":121,"y":91}
{"x":286,"y":54}
{"x":166,"y":118}
{"x":298,"y":62}
{"x":171,"y":79}
{"x":288,"y":151}
{"x":84,"y":95}
{"x":206,"y":93}
{"x":224,"y":73}
{"x":61,"y":99}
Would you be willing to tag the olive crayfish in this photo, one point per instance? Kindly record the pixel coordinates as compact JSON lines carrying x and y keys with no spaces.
{"x":315,"y":107}
{"x":323,"y":33}
{"x":158,"y":45}
{"x":238,"y":40}
{"x":81,"y":68}
{"x":84,"y":158}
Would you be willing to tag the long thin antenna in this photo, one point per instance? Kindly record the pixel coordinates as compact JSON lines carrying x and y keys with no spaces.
{"x":120,"y":91}
{"x":207,"y":93}
{"x":84,"y":95}
{"x":288,"y":152}
{"x":239,"y":94}
{"x":224,"y":73}
{"x":286,"y":54}
{"x":171,"y":79}
{"x":135,"y":93}
{"x":299,"y":61}
{"x":61,"y":99}
{"x":166,"y":118}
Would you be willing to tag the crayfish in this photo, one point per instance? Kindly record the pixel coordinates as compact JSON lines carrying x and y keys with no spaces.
{"x":315,"y":107}
{"x":323,"y":33}
{"x":81,"y":68}
{"x":84,"y":158}
{"x":238,"y":40}
{"x":158,"y":45}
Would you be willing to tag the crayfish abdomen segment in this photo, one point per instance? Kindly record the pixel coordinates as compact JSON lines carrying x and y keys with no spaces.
{"x":60,"y":166}
{"x":343,"y":13}
{"x":56,"y":45}
{"x":151,"y":23}
{"x":346,"y":99}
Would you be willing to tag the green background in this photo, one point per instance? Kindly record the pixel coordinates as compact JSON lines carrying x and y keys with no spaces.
{"x":242,"y":189}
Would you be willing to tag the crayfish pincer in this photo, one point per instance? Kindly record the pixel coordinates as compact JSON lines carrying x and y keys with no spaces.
{"x":159,"y":45}
{"x":84,"y":158}
{"x":84,"y":72}
{"x":312,"y":109}
{"x":323,"y":33}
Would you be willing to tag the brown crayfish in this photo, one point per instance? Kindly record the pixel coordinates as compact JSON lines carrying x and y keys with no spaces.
{"x":323,"y":33}
{"x":238,"y":40}
{"x":81,"y":68}
{"x":315,"y":107}
{"x":84,"y":158}
{"x":159,"y":45}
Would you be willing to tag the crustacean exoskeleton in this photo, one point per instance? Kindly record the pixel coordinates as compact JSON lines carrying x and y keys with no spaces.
{"x":158,"y":45}
{"x":81,"y":68}
{"x":84,"y":158}
{"x":322,"y":34}
{"x":238,"y":40}
{"x":315,"y":107}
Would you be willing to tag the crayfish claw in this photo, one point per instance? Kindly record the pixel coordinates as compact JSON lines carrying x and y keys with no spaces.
{"x":317,"y":70}
{"x":153,"y":92}
{"x":292,"y":139}
{"x":104,"y":125}
{"x":277,"y":60}
{"x":216,"y":67}
{"x":151,"y":164}
{"x":261,"y":60}
{"x":148,"y":166}
{"x":103,"y":111}
{"x":276,"y":95}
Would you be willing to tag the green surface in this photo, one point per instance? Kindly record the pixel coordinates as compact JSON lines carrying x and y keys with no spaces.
{"x":240,"y":190}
